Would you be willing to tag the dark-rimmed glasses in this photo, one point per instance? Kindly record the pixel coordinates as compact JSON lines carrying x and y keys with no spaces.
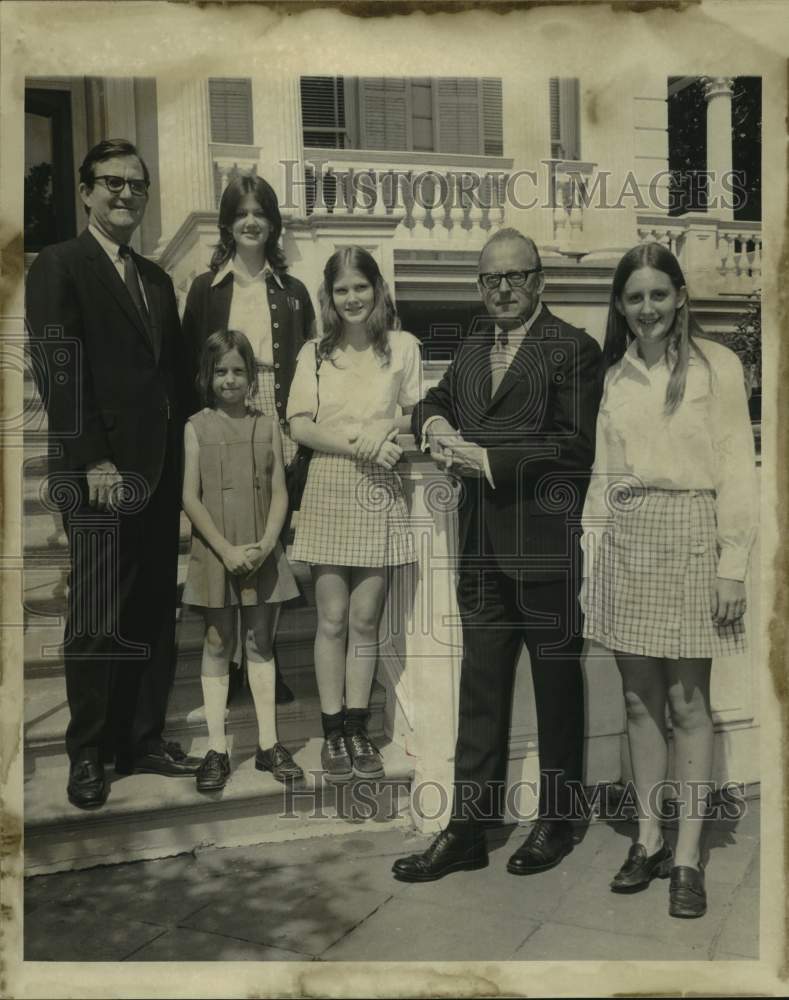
{"x":115,"y":184}
{"x":515,"y":279}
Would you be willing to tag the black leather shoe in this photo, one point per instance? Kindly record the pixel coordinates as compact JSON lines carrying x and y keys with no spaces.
{"x":548,"y":842}
{"x":687,"y":896}
{"x":86,"y":786}
{"x":335,"y":759}
{"x":365,"y":756}
{"x":213,"y":772}
{"x":168,"y":759}
{"x":279,"y":761}
{"x":639,"y":870}
{"x":449,"y":852}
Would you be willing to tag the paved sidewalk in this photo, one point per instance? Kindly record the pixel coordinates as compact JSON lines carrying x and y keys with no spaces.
{"x":333,"y":898}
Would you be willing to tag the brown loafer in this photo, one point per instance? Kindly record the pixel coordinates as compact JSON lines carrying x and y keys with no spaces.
{"x":639,"y":869}
{"x":687,"y":896}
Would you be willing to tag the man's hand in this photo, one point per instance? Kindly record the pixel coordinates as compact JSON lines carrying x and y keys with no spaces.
{"x":102,"y":478}
{"x":465,"y":458}
{"x":368,"y":439}
{"x":440,"y":435}
{"x":728,"y":601}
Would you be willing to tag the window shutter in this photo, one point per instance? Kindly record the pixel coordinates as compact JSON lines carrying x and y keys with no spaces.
{"x":384,"y":112}
{"x":459,"y":115}
{"x":492,"y":117}
{"x":565,"y":101}
{"x":230,"y":106}
{"x":556,"y":142}
{"x":323,"y":111}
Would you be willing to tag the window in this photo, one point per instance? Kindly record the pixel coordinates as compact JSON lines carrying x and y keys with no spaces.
{"x":49,"y":171}
{"x":230,"y":107}
{"x":443,"y":114}
{"x":565,"y":104}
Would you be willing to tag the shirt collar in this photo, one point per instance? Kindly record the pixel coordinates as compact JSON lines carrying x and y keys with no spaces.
{"x":109,"y":246}
{"x":240,"y":274}
{"x":519,"y":332}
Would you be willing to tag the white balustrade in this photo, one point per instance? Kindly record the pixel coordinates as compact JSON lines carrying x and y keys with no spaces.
{"x":568,"y":196}
{"x":739,"y":255}
{"x":672,"y":237}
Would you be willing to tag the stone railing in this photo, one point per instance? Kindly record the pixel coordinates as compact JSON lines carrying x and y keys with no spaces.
{"x":426,"y":195}
{"x":229,"y":160}
{"x":567,"y":188}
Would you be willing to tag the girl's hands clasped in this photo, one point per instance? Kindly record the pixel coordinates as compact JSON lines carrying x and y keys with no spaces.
{"x":237,"y":559}
{"x":368,"y":440}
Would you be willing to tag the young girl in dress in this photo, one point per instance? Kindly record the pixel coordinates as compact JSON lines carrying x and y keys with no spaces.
{"x":668,"y":527}
{"x":353,"y":522}
{"x":234,"y":495}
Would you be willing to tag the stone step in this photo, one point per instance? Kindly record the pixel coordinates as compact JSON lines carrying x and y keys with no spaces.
{"x":147,"y":816}
{"x":46,"y":716}
{"x":43,"y":641}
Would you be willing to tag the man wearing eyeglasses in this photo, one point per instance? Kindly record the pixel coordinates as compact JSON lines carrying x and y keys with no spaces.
{"x":514,"y":416}
{"x":112,"y":370}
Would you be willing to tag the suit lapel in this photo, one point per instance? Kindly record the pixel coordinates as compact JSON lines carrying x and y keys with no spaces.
{"x":105,"y":272}
{"x":476,"y":373}
{"x":521,"y":363}
{"x":154,"y":309}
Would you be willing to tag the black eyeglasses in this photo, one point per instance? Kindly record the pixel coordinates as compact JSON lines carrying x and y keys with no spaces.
{"x":116,"y":184}
{"x":515,"y":279}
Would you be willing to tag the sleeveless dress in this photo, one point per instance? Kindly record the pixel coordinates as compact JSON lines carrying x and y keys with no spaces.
{"x":235,"y":462}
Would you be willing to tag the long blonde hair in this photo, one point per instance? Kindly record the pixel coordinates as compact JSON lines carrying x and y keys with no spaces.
{"x":680,"y":343}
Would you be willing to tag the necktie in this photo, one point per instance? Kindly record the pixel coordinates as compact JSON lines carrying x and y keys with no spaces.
{"x":498,"y":362}
{"x":131,"y":279}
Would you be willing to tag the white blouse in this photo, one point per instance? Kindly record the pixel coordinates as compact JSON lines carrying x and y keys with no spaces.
{"x":707,"y":443}
{"x":357,"y":388}
{"x":249,"y":306}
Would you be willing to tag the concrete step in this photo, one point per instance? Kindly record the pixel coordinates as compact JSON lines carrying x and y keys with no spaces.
{"x":44,"y":540}
{"x":147,"y":816}
{"x":43,"y":641}
{"x":46,"y":716}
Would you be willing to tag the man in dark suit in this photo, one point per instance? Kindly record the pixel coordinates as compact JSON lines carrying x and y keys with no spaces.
{"x":515,"y":416}
{"x":112,"y":372}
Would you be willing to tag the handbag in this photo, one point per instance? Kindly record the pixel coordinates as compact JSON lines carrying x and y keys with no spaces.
{"x":296,"y":470}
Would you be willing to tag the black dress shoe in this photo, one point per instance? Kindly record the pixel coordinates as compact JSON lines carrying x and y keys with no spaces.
{"x":86,"y":786}
{"x":213,"y":772}
{"x":548,"y":842}
{"x":168,"y":759}
{"x":687,"y":896}
{"x":449,"y":852}
{"x":279,"y":762}
{"x":639,"y":869}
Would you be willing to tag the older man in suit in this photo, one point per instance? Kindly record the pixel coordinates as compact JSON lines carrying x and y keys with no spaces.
{"x":113,"y":374}
{"x":515,"y":416}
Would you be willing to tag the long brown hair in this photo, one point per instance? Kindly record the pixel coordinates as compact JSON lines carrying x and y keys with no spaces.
{"x":680,"y":342}
{"x":381,"y":320}
{"x":232,"y":196}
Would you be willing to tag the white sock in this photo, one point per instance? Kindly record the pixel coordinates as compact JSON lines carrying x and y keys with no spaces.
{"x":261,"y":674}
{"x":215,"y":699}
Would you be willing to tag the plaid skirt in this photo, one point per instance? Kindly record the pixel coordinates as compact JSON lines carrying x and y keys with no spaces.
{"x":353,"y":513}
{"x":268,"y":404}
{"x":653,"y":574}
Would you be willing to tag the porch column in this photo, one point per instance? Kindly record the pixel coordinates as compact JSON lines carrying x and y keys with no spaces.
{"x":718,"y":92}
{"x":276,"y":110}
{"x":185,"y":168}
{"x":527,"y":140}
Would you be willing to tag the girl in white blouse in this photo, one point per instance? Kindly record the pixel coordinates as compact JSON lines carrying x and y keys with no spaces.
{"x":668,"y":527}
{"x":353,"y":522}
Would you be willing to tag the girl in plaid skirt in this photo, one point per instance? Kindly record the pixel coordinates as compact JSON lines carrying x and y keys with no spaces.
{"x":353,"y":521}
{"x":668,"y":527}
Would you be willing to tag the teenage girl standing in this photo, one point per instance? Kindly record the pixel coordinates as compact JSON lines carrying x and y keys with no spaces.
{"x":668,"y":528}
{"x":353,"y":522}
{"x":234,"y":494}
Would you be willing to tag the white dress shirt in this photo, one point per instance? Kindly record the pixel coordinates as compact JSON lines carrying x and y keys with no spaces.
{"x":353,"y":389}
{"x":501,"y":357}
{"x":111,"y":248}
{"x":249,"y":306}
{"x":707,"y":443}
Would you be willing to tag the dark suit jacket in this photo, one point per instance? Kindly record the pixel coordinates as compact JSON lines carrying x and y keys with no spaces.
{"x":106,"y":384}
{"x":292,"y":317}
{"x":539,"y":431}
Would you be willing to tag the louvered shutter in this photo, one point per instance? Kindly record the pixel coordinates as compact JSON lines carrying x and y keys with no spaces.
{"x":230,"y":105}
{"x":323,"y":111}
{"x":492,"y":117}
{"x":565,"y":118}
{"x":556,"y":141}
{"x":384,"y":113}
{"x":459,"y":115}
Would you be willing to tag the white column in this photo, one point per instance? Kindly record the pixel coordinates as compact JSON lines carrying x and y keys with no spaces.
{"x":718,"y":93}
{"x":119,"y":105}
{"x":276,"y":109}
{"x":186,"y":170}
